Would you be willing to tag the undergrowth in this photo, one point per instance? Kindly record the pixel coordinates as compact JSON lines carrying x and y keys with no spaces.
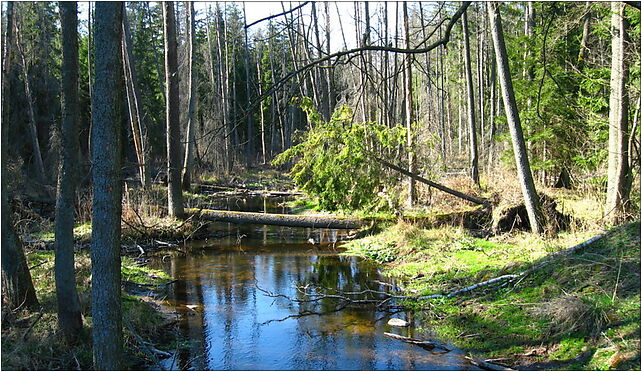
{"x":31,"y":340}
{"x":580,"y":311}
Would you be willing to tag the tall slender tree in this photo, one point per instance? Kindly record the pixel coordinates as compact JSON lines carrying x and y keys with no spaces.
{"x":174,"y":192}
{"x":412,"y":162}
{"x":107,"y":125}
{"x":69,"y":317}
{"x":531,"y":200}
{"x":618,"y":188}
{"x":472,"y":130}
{"x":188,"y":162}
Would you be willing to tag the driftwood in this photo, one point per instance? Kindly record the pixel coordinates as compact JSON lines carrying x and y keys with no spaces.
{"x":428,"y":345}
{"x":314,"y":221}
{"x":487,"y":365}
{"x":443,"y":188}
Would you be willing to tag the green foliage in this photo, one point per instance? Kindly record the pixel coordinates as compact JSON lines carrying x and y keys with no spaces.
{"x":333,"y":160}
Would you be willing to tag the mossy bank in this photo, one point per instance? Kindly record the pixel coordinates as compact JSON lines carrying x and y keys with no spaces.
{"x":31,"y":341}
{"x":579,"y":311}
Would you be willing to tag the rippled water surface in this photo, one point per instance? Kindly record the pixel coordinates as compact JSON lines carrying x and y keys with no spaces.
{"x":232,"y":324}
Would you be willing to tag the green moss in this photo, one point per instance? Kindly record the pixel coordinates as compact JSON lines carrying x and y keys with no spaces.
{"x":587,"y":302}
{"x":142,"y":274}
{"x":45,"y":349}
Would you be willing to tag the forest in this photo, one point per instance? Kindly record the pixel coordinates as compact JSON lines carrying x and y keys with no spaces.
{"x":315,"y":185}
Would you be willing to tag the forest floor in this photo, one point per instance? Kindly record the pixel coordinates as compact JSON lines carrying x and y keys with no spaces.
{"x":31,"y":341}
{"x":581,"y":311}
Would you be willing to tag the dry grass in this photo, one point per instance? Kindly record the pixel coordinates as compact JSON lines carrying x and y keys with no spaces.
{"x":572,"y":313}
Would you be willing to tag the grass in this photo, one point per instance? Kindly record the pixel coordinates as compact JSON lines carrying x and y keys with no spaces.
{"x":43,"y":348}
{"x":581,"y":311}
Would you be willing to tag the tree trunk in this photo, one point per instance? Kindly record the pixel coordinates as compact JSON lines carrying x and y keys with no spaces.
{"x":69,"y":317}
{"x":191,"y":138}
{"x":17,"y":286}
{"x":259,"y":79}
{"x":107,"y":188}
{"x":249,"y":143}
{"x":617,"y":194}
{"x":174,"y":192}
{"x":412,"y":163}
{"x":322,"y":221}
{"x":134,"y":103}
{"x":531,"y":199}
{"x":474,"y":159}
{"x":33,"y":129}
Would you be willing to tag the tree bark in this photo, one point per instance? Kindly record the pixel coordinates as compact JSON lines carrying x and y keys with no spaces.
{"x":174,"y":192}
{"x":322,"y":221}
{"x":412,"y":163}
{"x":69,"y":317}
{"x":472,"y":132}
{"x":107,"y":184}
{"x":617,"y":194}
{"x":191,"y":138}
{"x":17,"y":286}
{"x":249,"y":143}
{"x":33,"y":128}
{"x":531,"y":199}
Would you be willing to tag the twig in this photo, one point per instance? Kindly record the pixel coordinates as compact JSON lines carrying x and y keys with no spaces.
{"x":24,"y":336}
{"x":143,"y":343}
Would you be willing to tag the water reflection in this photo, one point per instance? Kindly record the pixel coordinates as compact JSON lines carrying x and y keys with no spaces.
{"x":232,"y":325}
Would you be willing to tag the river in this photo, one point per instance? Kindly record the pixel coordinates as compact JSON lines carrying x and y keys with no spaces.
{"x":232,"y":323}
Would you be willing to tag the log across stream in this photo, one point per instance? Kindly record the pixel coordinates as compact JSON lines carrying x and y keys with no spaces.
{"x":229,"y":324}
{"x":290,"y":220}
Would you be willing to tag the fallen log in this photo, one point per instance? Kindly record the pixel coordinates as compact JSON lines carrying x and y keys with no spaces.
{"x":291,"y":220}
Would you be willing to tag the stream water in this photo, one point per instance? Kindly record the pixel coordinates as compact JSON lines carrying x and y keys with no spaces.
{"x":231,"y":323}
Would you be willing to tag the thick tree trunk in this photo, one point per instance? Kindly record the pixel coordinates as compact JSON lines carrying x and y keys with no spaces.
{"x":69,"y":317}
{"x":190,"y":132}
{"x":531,"y":199}
{"x":107,"y":192}
{"x":134,"y":103}
{"x":617,"y":194}
{"x":174,"y":192}
{"x":412,"y":163}
{"x":472,"y":132}
{"x":322,"y":221}
{"x":17,"y":286}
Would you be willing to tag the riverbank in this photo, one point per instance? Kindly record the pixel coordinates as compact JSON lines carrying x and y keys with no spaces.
{"x":579,"y":311}
{"x":30,"y":339}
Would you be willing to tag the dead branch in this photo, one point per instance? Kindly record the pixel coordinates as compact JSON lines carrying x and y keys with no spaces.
{"x":26,"y":334}
{"x":486,"y":365}
{"x":428,"y":345}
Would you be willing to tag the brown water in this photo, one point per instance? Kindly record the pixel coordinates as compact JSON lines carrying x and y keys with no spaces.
{"x":231,"y":324}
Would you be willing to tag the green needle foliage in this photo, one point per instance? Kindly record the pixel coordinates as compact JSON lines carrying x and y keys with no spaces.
{"x":333,"y":161}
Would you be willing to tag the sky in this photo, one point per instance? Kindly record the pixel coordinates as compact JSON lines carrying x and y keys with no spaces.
{"x":256,"y":10}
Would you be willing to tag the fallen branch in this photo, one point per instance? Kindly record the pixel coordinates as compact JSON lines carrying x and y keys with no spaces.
{"x":428,"y":345}
{"x":486,"y":365}
{"x":26,"y":334}
{"x":143,"y":344}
